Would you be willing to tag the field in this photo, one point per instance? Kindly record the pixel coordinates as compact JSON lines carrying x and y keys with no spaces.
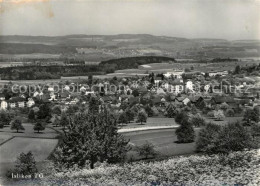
{"x":41,"y":149}
{"x":4,"y":138}
{"x":163,"y":141}
{"x":29,"y":132}
{"x":152,"y":122}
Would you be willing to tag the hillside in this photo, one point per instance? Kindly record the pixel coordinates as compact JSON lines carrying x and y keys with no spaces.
{"x":237,"y":168}
{"x":104,"y":47}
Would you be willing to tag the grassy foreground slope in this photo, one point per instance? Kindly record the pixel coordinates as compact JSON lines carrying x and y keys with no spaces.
{"x":235,"y":168}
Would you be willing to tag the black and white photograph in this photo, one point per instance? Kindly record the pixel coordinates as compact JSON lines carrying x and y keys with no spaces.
{"x":129,"y":92}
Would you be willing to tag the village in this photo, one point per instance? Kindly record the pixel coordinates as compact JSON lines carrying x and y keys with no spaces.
{"x":209,"y":93}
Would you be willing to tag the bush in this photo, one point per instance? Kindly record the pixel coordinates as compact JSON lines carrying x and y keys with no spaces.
{"x":210,"y":114}
{"x":24,"y":165}
{"x":197,"y":120}
{"x":230,"y":113}
{"x":223,"y":139}
{"x":181,"y":116}
{"x":146,"y":150}
{"x":234,"y":137}
{"x":185,"y":132}
{"x":208,"y":138}
{"x":255,"y":130}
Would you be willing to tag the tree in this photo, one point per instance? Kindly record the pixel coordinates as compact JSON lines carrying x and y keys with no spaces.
{"x":91,"y":138}
{"x":141,"y":117}
{"x":208,"y":138}
{"x":146,"y":150}
{"x":56,"y":110}
{"x":64,"y":120}
{"x":135,"y":93}
{"x":224,"y":106}
{"x":93,"y":105}
{"x":185,"y":132}
{"x":149,"y":110}
{"x":39,"y":127}
{"x":237,"y":69}
{"x":234,"y":137}
{"x":251,"y":115}
{"x":219,"y":115}
{"x":181,"y":116}
{"x":171,"y":111}
{"x":56,"y":121}
{"x":223,"y":139}
{"x":5,"y":118}
{"x":122,"y":118}
{"x":130,"y":115}
{"x":17,"y":125}
{"x":24,"y":165}
{"x":198,"y":121}
{"x":230,"y":112}
{"x":31,"y":115}
{"x":44,"y":112}
{"x":255,"y":130}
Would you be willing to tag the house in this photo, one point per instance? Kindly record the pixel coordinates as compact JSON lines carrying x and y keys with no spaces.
{"x":12,"y":105}
{"x":157,"y":80}
{"x":177,"y":89}
{"x":3,"y":105}
{"x":176,"y":73}
{"x":220,"y":73}
{"x":185,"y":101}
{"x":21,"y":104}
{"x":189,"y":85}
{"x":2,"y":97}
{"x":160,"y":91}
{"x":17,"y":101}
{"x":30,"y":102}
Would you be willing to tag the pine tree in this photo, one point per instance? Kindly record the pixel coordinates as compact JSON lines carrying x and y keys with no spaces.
{"x":92,"y":138}
{"x":31,"y":115}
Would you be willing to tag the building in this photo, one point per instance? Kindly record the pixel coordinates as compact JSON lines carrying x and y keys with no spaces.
{"x":3,"y":105}
{"x":176,"y":73}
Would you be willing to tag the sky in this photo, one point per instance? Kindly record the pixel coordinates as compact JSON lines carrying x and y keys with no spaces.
{"x":223,"y":19}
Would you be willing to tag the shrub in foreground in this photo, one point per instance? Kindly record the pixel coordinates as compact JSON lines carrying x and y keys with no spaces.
{"x":237,"y":168}
{"x":146,"y":150}
{"x":24,"y":165}
{"x":223,"y":139}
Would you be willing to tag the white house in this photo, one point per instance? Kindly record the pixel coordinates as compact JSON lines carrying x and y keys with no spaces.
{"x":2,"y":97}
{"x":21,"y":104}
{"x":12,"y":105}
{"x":30,"y":102}
{"x":186,"y":101}
{"x":220,"y":73}
{"x":3,"y":105}
{"x":176,"y":73}
{"x":189,"y":85}
{"x":177,"y":89}
{"x":160,"y":91}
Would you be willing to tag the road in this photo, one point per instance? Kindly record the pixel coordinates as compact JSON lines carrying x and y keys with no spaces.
{"x":163,"y":141}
